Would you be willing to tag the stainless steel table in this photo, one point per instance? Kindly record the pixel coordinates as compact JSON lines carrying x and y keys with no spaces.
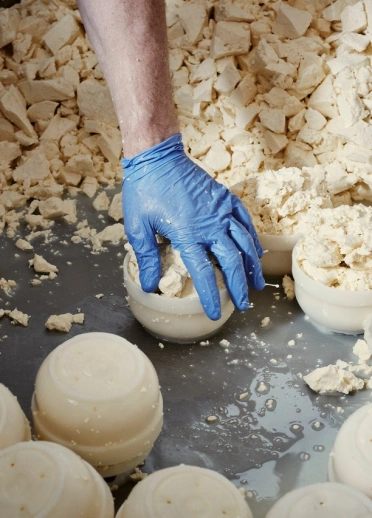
{"x":277,"y":439}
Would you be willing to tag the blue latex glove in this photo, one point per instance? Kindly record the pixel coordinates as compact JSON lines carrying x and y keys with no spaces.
{"x":165,"y":193}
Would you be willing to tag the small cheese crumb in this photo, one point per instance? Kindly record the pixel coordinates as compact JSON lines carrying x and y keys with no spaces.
{"x":64,"y":321}
{"x":138,"y":475}
{"x":362,"y":350}
{"x":7,"y":286}
{"x":288,"y":287}
{"x":22,"y":244}
{"x":41,"y":265}
{"x":265,"y":322}
{"x":18,"y":317}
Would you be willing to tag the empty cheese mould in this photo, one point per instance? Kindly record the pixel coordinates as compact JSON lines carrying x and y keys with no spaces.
{"x":351,"y":459}
{"x":185,"y":492}
{"x":336,"y":309}
{"x":99,"y":395}
{"x":179,"y":320}
{"x":14,"y":426}
{"x":45,"y":480}
{"x":327,"y":500}
{"x":277,"y":259}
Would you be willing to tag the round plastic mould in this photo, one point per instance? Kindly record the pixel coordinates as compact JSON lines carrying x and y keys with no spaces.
{"x":351,"y":459}
{"x":99,"y":395}
{"x":14,"y":426}
{"x":322,"y":501}
{"x":336,"y":309}
{"x":179,"y":320}
{"x":185,"y":492}
{"x":277,"y":259}
{"x":43,"y":480}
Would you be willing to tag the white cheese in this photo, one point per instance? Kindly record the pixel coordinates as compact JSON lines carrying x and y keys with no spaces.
{"x":353,"y":18}
{"x":358,"y":42}
{"x":23,"y":245}
{"x":41,"y":265}
{"x":333,"y":12}
{"x":15,"y":110}
{"x":57,"y":89}
{"x":275,"y":142}
{"x":9,"y":22}
{"x":350,"y":107}
{"x":288,"y":287}
{"x":62,"y":33}
{"x":230,"y":38}
{"x":193,"y":19}
{"x":217,"y":158}
{"x":94,"y":101}
{"x":245,"y":116}
{"x":101,"y":201}
{"x":18,"y":317}
{"x":227,"y":80}
{"x":347,"y":60}
{"x":244,"y":93}
{"x":362,"y":350}
{"x":310,"y":72}
{"x":64,"y":321}
{"x":273,"y":119}
{"x":206,"y":70}
{"x":315,"y":119}
{"x":7,"y":285}
{"x":325,"y":380}
{"x":229,"y":10}
{"x":203,"y":90}
{"x":291,"y":22}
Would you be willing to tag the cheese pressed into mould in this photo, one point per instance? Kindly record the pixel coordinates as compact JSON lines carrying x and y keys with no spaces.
{"x":337,"y":249}
{"x":175,"y":279}
{"x":350,"y":461}
{"x":322,"y":501}
{"x":185,"y":491}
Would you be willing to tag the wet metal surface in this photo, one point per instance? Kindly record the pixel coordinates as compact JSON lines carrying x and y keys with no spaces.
{"x":271,"y":440}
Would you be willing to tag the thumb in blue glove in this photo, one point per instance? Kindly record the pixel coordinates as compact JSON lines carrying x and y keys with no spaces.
{"x":166,"y":193}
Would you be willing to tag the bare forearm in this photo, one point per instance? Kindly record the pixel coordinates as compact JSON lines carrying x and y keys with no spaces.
{"x":130,"y":40}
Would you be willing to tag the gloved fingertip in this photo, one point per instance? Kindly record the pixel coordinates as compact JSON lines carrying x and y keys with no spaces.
{"x":149,"y":279}
{"x":259,"y":283}
{"x":243,"y":304}
{"x":213,"y":313}
{"x":256,"y":279}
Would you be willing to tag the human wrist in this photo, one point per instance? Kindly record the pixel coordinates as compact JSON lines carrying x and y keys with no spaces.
{"x":144,"y":162}
{"x":138,"y":140}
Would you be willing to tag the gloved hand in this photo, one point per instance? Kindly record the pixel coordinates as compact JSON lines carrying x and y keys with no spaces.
{"x":165,"y":193}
